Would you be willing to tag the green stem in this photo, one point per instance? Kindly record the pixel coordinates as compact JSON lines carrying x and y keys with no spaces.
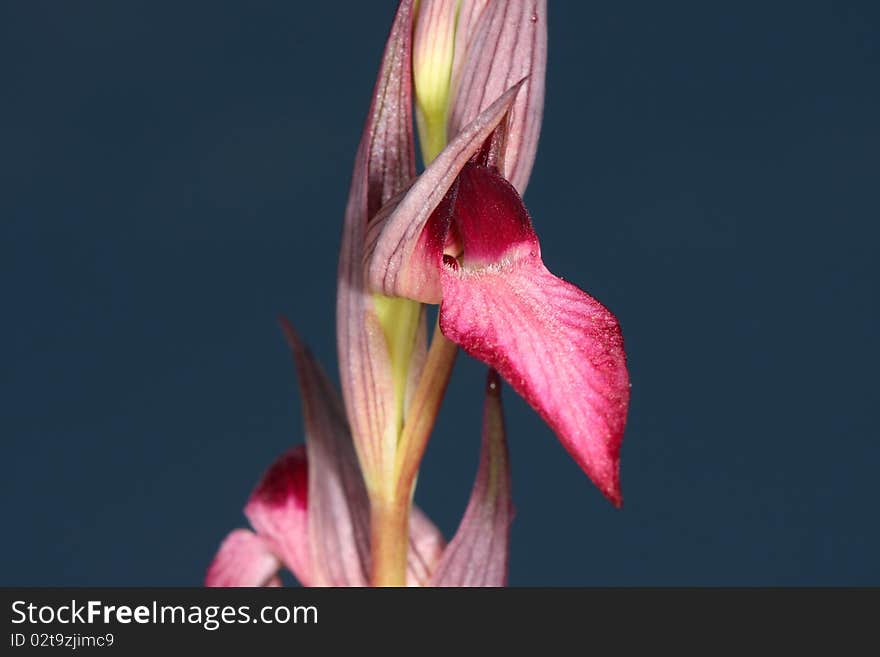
{"x":389,"y":514}
{"x":389,"y":522}
{"x":422,"y":411}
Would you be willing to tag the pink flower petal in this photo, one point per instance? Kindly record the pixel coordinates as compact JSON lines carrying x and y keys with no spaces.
{"x":558,"y":347}
{"x":338,"y":506}
{"x":478,"y":554}
{"x":277,"y":510}
{"x":507,"y":43}
{"x":426,"y":545}
{"x":244,"y":559}
{"x":384,"y":165}
{"x":469,"y":12}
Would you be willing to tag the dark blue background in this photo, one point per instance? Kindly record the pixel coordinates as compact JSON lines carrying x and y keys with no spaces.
{"x":174,"y":176}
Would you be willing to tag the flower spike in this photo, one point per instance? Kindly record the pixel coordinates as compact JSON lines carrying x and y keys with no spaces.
{"x":338,"y":510}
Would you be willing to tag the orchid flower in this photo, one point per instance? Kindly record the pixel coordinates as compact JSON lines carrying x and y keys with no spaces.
{"x":457,"y":235}
{"x":310,"y":511}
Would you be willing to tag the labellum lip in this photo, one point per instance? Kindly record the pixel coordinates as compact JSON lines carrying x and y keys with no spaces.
{"x":558,"y":347}
{"x":277,"y":511}
{"x":244,"y":559}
